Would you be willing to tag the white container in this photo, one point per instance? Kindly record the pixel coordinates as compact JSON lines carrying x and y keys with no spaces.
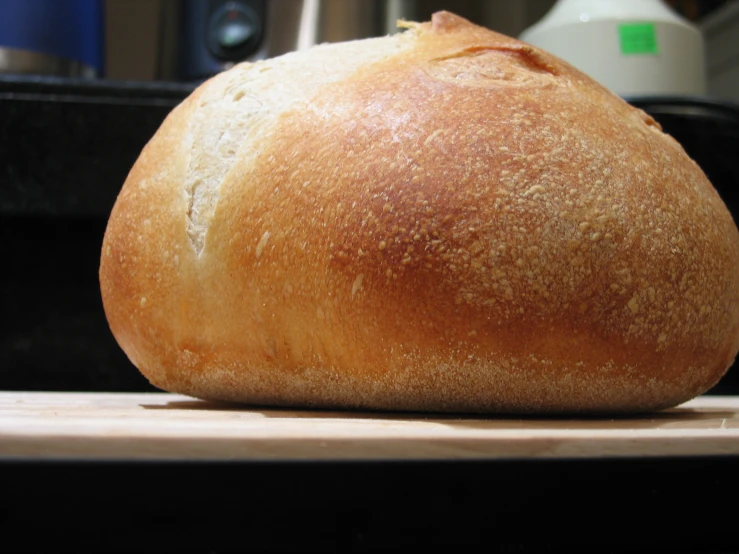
{"x":633,"y":47}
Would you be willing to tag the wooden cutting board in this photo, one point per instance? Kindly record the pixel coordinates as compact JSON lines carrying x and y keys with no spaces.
{"x":167,"y":426}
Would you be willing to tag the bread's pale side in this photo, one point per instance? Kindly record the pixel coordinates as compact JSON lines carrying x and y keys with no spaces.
{"x":445,"y":219}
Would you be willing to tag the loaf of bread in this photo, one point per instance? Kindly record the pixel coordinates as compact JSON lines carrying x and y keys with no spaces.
{"x":446,"y":219}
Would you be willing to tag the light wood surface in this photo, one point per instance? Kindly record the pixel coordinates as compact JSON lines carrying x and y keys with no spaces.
{"x":166,"y":426}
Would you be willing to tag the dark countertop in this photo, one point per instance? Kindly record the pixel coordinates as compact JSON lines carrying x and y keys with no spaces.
{"x":67,"y":145}
{"x":568,"y":506}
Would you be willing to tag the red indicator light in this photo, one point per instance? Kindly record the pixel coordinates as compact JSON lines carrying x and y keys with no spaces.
{"x":232,"y":15}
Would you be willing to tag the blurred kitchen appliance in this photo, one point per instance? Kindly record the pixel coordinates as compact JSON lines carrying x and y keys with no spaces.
{"x":52,"y":37}
{"x":633,"y":47}
{"x":215,"y":34}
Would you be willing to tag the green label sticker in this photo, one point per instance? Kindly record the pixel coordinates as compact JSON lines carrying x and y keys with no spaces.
{"x":638,"y":38}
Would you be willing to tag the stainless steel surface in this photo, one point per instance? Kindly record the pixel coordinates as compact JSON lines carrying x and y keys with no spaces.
{"x":25,"y":62}
{"x":299,"y":24}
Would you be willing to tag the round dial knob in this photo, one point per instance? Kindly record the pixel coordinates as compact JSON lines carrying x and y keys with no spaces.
{"x":233,"y":32}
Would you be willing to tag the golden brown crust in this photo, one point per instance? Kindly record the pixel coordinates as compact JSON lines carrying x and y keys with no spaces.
{"x":466,"y":224}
